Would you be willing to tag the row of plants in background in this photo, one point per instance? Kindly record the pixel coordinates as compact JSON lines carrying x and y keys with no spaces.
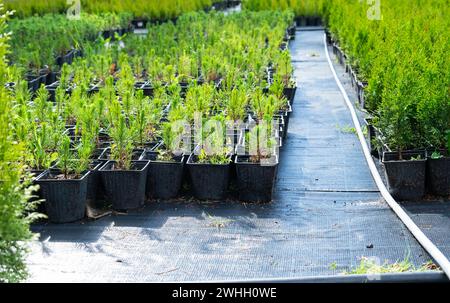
{"x":147,"y":62}
{"x":307,"y":12}
{"x":110,"y":126}
{"x":42,"y":44}
{"x":159,"y":10}
{"x":405,"y":74}
{"x":16,"y":210}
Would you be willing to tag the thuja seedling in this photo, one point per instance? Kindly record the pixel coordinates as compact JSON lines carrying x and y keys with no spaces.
{"x":436,"y":155}
{"x":417,"y":158}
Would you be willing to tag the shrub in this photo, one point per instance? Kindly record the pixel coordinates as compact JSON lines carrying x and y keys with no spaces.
{"x":15,"y":190}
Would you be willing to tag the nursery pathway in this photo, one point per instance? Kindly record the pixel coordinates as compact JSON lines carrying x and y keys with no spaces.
{"x":327,"y":212}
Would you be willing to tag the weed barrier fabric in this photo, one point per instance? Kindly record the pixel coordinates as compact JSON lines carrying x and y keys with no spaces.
{"x":327,"y":212}
{"x":433,"y":217}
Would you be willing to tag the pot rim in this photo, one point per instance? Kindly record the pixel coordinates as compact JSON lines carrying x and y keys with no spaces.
{"x":189,"y":162}
{"x":160,"y":161}
{"x":406,"y":152}
{"x":41,"y":178}
{"x":102,"y":169}
{"x":256,"y":164}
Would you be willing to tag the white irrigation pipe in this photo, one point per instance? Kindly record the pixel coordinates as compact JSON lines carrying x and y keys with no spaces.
{"x":437,"y":255}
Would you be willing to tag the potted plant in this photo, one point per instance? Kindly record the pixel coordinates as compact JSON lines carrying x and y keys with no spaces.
{"x":40,"y":158}
{"x":405,"y":173}
{"x":237,"y":102}
{"x":88,"y":125}
{"x":64,"y":187}
{"x":283,"y":105}
{"x":257,"y":160}
{"x":165,"y":173}
{"x":187,"y":71}
{"x":404,"y":167}
{"x":124,"y":180}
{"x":147,"y":115}
{"x":209,"y":165}
{"x":284,"y":70}
{"x":438,"y":171}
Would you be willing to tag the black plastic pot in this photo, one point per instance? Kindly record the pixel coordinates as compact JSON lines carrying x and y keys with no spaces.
{"x":329,"y":38}
{"x":184,"y":88}
{"x":51,"y":88}
{"x":148,"y":89}
{"x":360,"y":90}
{"x":95,"y":189}
{"x":371,"y":137}
{"x":291,"y":31}
{"x":286,"y":117}
{"x":51,"y":78}
{"x":283,"y":46}
{"x":36,"y":173}
{"x":125,"y":189}
{"x":139,"y":23}
{"x":33,"y":83}
{"x":438,"y":175}
{"x":209,"y":181}
{"x":164,"y":178}
{"x":67,"y":58}
{"x":289,"y":94}
{"x":281,"y":124}
{"x":65,"y":200}
{"x":339,"y":53}
{"x":97,"y":153}
{"x":308,"y":21}
{"x":255,"y":181}
{"x":406,"y":178}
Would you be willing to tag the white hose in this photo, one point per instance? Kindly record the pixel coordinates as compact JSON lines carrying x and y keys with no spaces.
{"x":437,"y":255}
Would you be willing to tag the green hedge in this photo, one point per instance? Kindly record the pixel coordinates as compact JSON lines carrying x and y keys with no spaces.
{"x":161,"y":9}
{"x":301,"y":8}
{"x":405,"y":58}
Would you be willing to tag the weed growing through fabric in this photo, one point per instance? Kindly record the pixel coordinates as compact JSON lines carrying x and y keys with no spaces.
{"x":369,"y":266}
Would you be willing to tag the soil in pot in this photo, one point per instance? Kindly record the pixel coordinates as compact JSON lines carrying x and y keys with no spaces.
{"x":209,"y":181}
{"x":164,"y":178}
{"x":106,"y":155}
{"x":255,"y":181}
{"x":438,"y":174}
{"x":125,"y":189}
{"x":406,"y":176}
{"x":65,"y":199}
